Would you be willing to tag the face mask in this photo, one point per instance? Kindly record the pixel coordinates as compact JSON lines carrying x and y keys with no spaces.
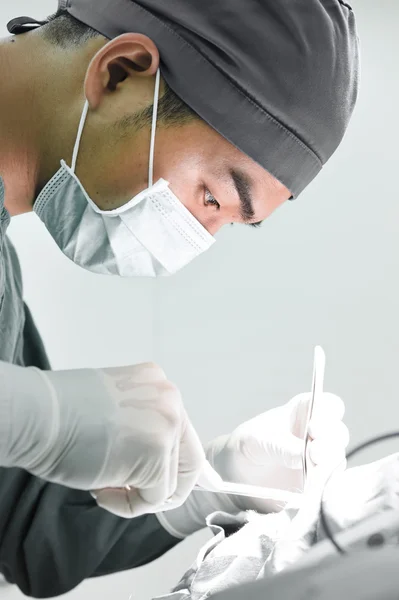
{"x":153,"y":234}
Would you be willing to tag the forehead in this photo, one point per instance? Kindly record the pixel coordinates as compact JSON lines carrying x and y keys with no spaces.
{"x":225,"y":155}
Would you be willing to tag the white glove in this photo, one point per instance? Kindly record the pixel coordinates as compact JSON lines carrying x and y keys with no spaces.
{"x":103,"y":428}
{"x":266,"y":451}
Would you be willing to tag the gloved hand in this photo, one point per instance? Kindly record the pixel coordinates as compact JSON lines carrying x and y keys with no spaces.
{"x":268,"y":451}
{"x":103,"y":428}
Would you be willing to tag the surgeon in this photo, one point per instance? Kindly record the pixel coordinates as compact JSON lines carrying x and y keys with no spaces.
{"x":135,"y":130}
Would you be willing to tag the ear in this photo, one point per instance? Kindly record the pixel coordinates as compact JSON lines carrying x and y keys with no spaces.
{"x":127,"y":55}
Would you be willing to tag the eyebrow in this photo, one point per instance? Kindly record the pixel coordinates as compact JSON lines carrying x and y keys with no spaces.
{"x":243,"y":186}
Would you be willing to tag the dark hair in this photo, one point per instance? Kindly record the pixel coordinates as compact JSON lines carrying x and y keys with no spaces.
{"x":64,"y":31}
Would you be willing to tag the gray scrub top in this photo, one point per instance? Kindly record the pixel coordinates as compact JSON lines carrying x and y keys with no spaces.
{"x":52,"y":537}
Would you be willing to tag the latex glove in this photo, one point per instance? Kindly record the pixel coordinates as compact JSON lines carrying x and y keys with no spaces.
{"x":104,"y":428}
{"x":266,"y":451}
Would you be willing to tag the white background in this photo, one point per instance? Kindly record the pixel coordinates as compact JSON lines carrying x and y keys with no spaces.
{"x":236,"y":330}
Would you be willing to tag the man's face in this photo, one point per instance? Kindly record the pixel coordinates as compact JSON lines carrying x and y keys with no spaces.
{"x":216,"y":182}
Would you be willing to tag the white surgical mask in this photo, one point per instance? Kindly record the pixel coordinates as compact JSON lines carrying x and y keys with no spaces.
{"x":153,"y":234}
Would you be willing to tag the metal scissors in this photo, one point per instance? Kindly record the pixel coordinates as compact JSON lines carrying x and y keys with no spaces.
{"x":319,"y":364}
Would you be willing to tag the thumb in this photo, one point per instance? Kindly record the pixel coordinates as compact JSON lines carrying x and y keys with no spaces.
{"x":288,"y":450}
{"x":285,"y":449}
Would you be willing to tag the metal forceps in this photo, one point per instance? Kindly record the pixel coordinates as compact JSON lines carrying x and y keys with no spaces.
{"x":319,"y":364}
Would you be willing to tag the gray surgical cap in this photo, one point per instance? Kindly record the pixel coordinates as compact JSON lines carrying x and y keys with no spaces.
{"x":277,"y":78}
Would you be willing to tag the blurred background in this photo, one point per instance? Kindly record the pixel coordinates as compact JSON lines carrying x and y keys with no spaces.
{"x":236,"y":330}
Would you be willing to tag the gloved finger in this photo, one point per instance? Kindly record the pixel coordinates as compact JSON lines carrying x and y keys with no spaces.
{"x":333,"y":432}
{"x":137,"y":374}
{"x":188,"y":460}
{"x":191,"y":463}
{"x":159,"y":493}
{"x":165,"y":487}
{"x":285,"y":449}
{"x":158,"y":488}
{"x":185,"y":476}
{"x":298,"y":408}
{"x":173,"y":472}
{"x":122,"y":502}
{"x":128,"y":503}
{"x":321,"y":452}
{"x":329,"y":407}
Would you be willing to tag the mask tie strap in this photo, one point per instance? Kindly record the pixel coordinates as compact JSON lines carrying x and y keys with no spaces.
{"x":153,"y":129}
{"x":79,"y":136}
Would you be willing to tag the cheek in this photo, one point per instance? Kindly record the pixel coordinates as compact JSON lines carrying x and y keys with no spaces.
{"x":113,"y":176}
{"x":129,"y":169}
{"x":209,"y":218}
{"x":212,"y":223}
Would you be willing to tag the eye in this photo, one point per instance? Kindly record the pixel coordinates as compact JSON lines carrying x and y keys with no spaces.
{"x":210,"y":200}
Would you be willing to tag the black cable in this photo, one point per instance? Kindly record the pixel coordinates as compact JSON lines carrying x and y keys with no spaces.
{"x":351,"y":454}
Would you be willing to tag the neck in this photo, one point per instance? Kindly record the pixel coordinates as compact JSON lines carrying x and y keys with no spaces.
{"x":41,"y":100}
